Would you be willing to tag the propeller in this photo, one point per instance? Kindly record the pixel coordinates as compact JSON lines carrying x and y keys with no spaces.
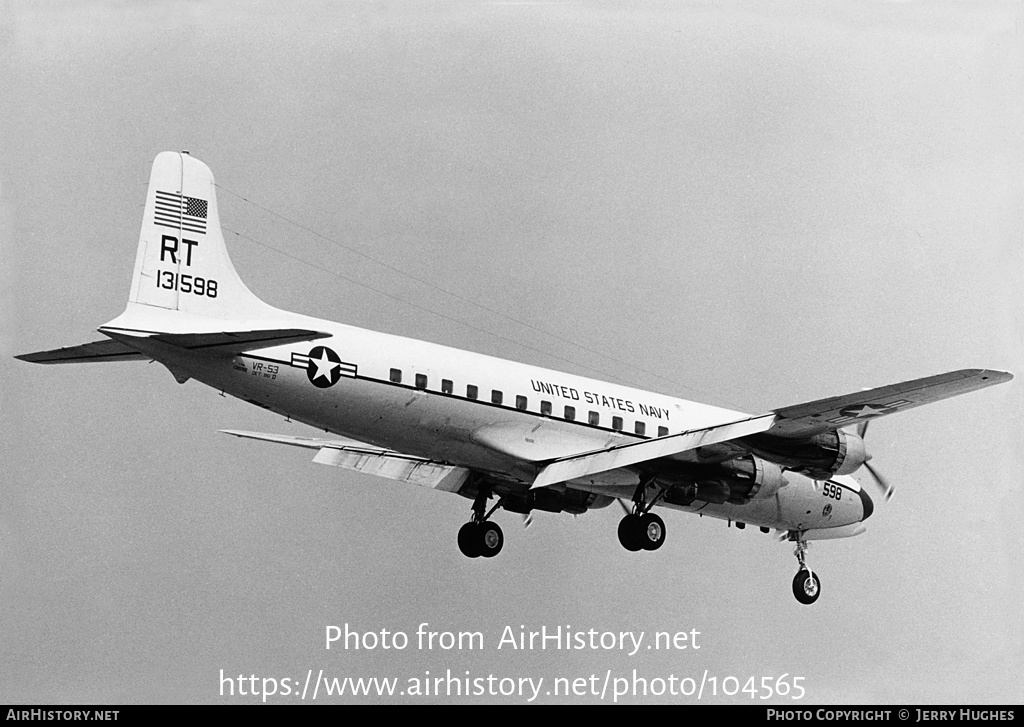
{"x":887,"y":488}
{"x":880,"y":481}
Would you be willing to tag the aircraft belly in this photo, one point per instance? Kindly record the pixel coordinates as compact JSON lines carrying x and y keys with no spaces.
{"x":399,"y":418}
{"x":613,"y":481}
{"x":762,"y":513}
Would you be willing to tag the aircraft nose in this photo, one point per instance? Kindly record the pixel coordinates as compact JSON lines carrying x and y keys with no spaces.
{"x":866,"y":504}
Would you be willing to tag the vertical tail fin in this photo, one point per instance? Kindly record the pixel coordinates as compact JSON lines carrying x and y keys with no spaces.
{"x":182,"y":263}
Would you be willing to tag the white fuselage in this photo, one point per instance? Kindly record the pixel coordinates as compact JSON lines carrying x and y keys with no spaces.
{"x":483,"y":413}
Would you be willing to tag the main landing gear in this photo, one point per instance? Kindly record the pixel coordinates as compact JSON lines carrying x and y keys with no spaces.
{"x":806,"y":586}
{"x":641,"y":529}
{"x":480,"y":537}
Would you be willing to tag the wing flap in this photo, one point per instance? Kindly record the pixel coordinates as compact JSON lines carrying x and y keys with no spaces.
{"x":359,"y":457}
{"x":834,"y":412}
{"x":570,"y":468}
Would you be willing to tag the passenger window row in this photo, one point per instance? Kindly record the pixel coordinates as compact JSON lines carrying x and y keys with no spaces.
{"x":473,"y":393}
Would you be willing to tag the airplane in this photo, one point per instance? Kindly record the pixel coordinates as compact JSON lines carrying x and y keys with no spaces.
{"x":484,"y":428}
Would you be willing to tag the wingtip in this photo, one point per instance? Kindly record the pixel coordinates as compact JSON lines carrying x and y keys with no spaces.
{"x":995,"y":376}
{"x":38,"y":357}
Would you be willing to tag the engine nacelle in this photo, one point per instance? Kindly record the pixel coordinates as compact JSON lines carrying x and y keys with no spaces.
{"x":737,"y":481}
{"x":835,"y":452}
{"x":852,"y":453}
{"x":549,"y":499}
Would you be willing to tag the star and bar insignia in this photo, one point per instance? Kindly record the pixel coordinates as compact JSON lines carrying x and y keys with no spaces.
{"x":323,"y":366}
{"x":867,"y":411}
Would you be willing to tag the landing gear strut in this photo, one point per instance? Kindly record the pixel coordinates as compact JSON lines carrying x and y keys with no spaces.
{"x":480,"y":537}
{"x":641,"y":529}
{"x":806,"y":586}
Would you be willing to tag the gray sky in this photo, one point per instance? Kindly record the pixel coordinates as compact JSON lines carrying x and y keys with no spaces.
{"x":749,"y":206}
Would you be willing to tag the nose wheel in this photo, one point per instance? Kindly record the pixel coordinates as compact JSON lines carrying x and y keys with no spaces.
{"x":806,"y":585}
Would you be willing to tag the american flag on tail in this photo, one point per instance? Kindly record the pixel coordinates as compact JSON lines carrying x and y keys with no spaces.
{"x":180,"y":212}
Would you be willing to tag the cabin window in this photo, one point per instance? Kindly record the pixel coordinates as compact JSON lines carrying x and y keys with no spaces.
{"x":446,"y":386}
{"x":495,"y":396}
{"x":396,"y":376}
{"x":617,"y":424}
{"x":471,"y":391}
{"x":421,"y":381}
{"x":641,"y":428}
{"x":594,"y":418}
{"x":662,"y":431}
{"x":570,"y":413}
{"x":545,"y":408}
{"x":521,"y":402}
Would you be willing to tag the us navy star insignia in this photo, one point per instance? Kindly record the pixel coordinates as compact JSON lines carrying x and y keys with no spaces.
{"x":323,"y":366}
{"x":867,"y":411}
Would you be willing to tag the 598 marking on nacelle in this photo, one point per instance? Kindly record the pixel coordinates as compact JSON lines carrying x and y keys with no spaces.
{"x":833,"y":491}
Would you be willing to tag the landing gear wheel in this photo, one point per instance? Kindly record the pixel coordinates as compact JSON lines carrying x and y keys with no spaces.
{"x":806,"y":587}
{"x":629,"y":533}
{"x":470,"y":542}
{"x":489,"y":539}
{"x":651,"y":532}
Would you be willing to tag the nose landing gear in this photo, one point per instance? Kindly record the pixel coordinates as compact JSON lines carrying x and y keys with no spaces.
{"x":806,"y":586}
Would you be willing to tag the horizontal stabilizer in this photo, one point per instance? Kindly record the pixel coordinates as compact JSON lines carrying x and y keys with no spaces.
{"x":570,"y":468}
{"x":368,"y":459}
{"x":97,"y":351}
{"x":227,"y":342}
{"x":839,"y":411}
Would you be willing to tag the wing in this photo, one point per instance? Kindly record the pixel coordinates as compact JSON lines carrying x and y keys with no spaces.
{"x":120,"y":349}
{"x":813,"y":417}
{"x":604,"y":460}
{"x":368,"y":459}
{"x":792,"y":422}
